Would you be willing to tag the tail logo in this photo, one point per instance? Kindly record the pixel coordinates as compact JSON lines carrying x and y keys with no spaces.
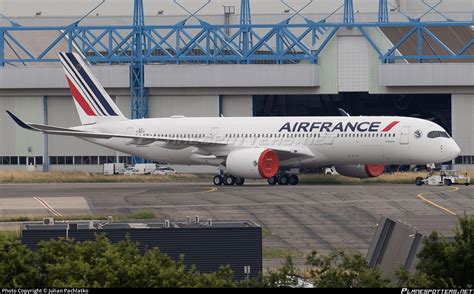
{"x":85,"y":89}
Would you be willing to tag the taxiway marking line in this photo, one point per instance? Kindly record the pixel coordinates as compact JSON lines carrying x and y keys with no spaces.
{"x":211,"y":190}
{"x":47,"y":206}
{"x":435,"y":204}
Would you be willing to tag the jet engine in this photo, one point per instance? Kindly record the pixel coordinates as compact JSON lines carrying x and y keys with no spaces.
{"x":361,"y":171}
{"x":253,"y":163}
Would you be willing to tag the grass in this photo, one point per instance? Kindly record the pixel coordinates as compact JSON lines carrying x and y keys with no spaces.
{"x":281,"y":253}
{"x":86,"y":177}
{"x":266,"y":232}
{"x":394,"y":178}
{"x":136,"y":215}
{"x":13,"y":234}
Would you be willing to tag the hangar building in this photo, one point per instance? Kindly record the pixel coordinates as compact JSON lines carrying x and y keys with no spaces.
{"x":368,"y":57}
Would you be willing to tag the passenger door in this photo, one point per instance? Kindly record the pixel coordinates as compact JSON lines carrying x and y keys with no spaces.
{"x":404,"y":136}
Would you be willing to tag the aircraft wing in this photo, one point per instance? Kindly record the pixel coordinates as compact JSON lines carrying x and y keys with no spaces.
{"x":293,"y":151}
{"x":134,"y":139}
{"x":171,"y":143}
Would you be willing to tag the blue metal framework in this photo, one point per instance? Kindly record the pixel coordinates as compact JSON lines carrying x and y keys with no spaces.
{"x":206,"y":43}
{"x":139,"y":95}
{"x":348,"y":11}
{"x":383,"y":11}
{"x":284,"y":42}
{"x":246,"y":38}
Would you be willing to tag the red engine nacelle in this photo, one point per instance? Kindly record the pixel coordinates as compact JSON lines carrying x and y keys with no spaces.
{"x":253,"y":163}
{"x":361,"y":171}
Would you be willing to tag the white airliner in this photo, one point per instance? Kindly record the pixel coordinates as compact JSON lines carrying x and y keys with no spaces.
{"x":252,"y":147}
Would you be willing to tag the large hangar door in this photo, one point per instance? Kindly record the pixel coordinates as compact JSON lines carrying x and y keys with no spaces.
{"x":353,"y":64}
{"x":434,"y":107}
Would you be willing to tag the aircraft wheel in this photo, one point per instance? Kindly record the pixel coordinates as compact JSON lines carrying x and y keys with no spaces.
{"x":447,"y":182}
{"x":294,"y":180}
{"x":466,"y":184}
{"x":419,"y":181}
{"x":229,"y":180}
{"x":239,"y":181}
{"x":273,"y":180}
{"x":218,"y":180}
{"x":283,"y":180}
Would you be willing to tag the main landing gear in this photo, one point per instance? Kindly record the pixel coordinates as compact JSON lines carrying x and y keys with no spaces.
{"x":284,"y":180}
{"x":228,"y":180}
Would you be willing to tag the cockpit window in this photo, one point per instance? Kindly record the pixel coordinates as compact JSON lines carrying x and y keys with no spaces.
{"x":438,"y":134}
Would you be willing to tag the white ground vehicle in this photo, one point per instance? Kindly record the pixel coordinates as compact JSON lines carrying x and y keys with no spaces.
{"x":141,"y":169}
{"x":145,"y":168}
{"x":114,"y":169}
{"x":164,"y":171}
{"x":330,"y":171}
{"x":445,"y":177}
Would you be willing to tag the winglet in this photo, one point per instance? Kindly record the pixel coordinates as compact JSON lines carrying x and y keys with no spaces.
{"x":19,"y":121}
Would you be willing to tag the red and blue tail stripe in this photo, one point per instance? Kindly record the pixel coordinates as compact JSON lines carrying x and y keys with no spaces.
{"x":84,"y":88}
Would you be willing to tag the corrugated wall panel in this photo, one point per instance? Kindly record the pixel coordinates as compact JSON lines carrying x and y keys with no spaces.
{"x":207,"y":248}
{"x":462,"y":122}
{"x":16,"y":141}
{"x":190,"y":106}
{"x":353,"y":64}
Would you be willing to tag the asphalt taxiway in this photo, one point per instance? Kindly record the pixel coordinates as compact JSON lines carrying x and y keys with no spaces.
{"x":303,"y":218}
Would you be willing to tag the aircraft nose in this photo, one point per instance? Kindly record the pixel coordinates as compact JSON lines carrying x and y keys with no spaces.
{"x":455,"y":150}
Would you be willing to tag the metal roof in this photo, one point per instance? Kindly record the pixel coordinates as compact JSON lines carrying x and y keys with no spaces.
{"x":138,"y":225}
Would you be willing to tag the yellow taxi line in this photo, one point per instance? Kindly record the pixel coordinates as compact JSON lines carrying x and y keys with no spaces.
{"x":435,"y":204}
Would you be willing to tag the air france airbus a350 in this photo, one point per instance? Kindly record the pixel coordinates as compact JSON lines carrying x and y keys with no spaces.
{"x":251,"y":147}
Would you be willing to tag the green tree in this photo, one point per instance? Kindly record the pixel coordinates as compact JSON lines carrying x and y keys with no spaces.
{"x":99,"y":263}
{"x":17,"y":264}
{"x":280,"y":277}
{"x":344,"y":269}
{"x":409,"y":280}
{"x":449,"y":263}
{"x":223,"y":278}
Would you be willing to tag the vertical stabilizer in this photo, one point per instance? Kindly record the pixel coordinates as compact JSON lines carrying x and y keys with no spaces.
{"x":93,"y":103}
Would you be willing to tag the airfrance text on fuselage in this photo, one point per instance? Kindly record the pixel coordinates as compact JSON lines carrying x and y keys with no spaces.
{"x":331,"y":127}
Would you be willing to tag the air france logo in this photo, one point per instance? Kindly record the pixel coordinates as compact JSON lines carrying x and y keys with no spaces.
{"x":362,"y":127}
{"x":418,"y":134}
